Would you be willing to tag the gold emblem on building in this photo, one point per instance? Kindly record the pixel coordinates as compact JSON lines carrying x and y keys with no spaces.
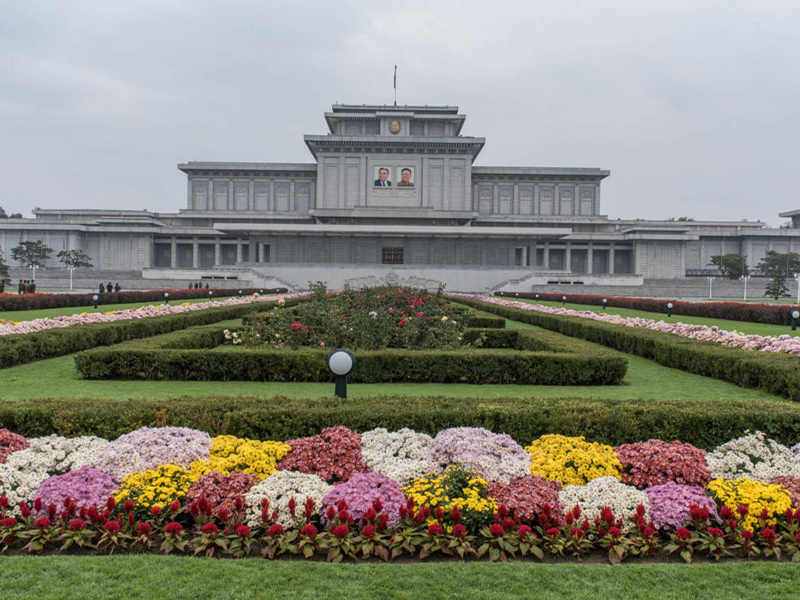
{"x":394,"y":127}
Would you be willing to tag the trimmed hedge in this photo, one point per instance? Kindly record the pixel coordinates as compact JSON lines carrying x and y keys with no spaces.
{"x":773,"y":373}
{"x":735,"y":311}
{"x":703,"y":424}
{"x":40,"y":301}
{"x":22,"y":348}
{"x":542,"y":358}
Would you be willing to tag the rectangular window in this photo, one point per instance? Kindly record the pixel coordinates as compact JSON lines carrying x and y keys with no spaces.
{"x":392,"y":256}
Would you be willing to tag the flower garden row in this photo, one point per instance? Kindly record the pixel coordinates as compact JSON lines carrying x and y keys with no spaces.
{"x":752,"y":312}
{"x":732,"y":339}
{"x":465,"y":492}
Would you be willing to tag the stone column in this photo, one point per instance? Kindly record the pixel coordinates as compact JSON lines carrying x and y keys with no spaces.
{"x":173,"y":253}
{"x":546,"y":259}
{"x":217,"y":252}
{"x":568,"y":257}
{"x":611,"y":259}
{"x":195,"y":253}
{"x":590,"y":259}
{"x":238,"y":250}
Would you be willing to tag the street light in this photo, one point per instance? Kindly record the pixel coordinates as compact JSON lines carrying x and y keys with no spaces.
{"x":95,"y":298}
{"x":210,"y":294}
{"x":341,"y":362}
{"x":604,"y":304}
{"x":795,"y":316}
{"x":745,"y":278}
{"x":710,"y":286}
{"x":669,"y":309}
{"x":563,"y":300}
{"x":166,"y":298}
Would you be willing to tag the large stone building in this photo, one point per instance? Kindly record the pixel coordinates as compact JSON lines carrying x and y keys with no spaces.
{"x":393,"y":195}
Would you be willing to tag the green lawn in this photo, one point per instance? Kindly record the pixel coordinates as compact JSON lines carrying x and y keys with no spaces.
{"x":741,"y":326}
{"x":177,"y":578}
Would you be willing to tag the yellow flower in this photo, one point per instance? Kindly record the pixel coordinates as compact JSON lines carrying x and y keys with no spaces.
{"x":572,"y":460}
{"x":757,"y":496}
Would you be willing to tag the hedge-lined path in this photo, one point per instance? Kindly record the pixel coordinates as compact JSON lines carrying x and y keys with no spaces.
{"x":58,"y":378}
{"x":178,"y":578}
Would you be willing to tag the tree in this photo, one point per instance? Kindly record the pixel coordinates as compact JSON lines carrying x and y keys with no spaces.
{"x":31,"y":254}
{"x":4,"y":215}
{"x":731,"y":266}
{"x":74,"y":259}
{"x":779,"y":267}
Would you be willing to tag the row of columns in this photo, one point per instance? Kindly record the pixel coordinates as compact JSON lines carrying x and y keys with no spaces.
{"x":589,"y":257}
{"x":196,"y":252}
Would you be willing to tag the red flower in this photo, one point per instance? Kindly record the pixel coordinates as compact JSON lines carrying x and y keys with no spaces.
{"x":3,"y":502}
{"x":276,"y":529}
{"x":715,"y":532}
{"x":648,"y":532}
{"x":764,"y":514}
{"x":768,"y":535}
{"x":377,"y":505}
{"x":238,"y":503}
{"x":341,"y":531}
{"x":383,"y":521}
{"x":223,"y":515}
{"x":743,"y":509}
{"x":210,"y":528}
{"x":111,"y":503}
{"x":25,"y":510}
{"x":523,"y":531}
{"x":309,"y":531}
{"x":292,"y":506}
{"x":725,"y":513}
{"x":175,"y":506}
{"x":438,"y":513}
{"x":9,"y":522}
{"x":155,"y":511}
{"x":614,"y":532}
{"x":243,"y":530}
{"x":747,"y":534}
{"x":434,"y":529}
{"x":497,"y":530}
{"x":459,"y":532}
{"x":111,"y":527}
{"x":455,"y":514}
{"x":144,"y":528}
{"x":330,"y":512}
{"x":368,"y":532}
{"x":577,"y":533}
{"x":43,"y":523}
{"x":173,"y":528}
{"x":37,"y":504}
{"x":553,"y":531}
{"x":683,"y":533}
{"x":128,"y":506}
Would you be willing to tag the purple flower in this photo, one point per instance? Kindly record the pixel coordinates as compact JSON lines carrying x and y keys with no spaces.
{"x":361,"y":490}
{"x":86,"y":487}
{"x":670,"y":502}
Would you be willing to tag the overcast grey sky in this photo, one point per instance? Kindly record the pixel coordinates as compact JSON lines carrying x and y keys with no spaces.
{"x":692,"y":105}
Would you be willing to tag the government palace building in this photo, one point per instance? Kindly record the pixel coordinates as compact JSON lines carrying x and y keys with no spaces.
{"x":393,"y":196}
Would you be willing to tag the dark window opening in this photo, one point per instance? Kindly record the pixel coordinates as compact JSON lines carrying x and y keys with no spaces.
{"x":392,"y":256}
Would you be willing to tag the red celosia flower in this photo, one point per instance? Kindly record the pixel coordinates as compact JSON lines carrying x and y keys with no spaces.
{"x":111,"y":503}
{"x":523,"y":531}
{"x":553,"y":531}
{"x":128,"y":505}
{"x":341,"y":531}
{"x":434,"y":529}
{"x":368,"y":532}
{"x":173,"y":528}
{"x":238,"y":503}
{"x":648,"y":532}
{"x":764,"y":514}
{"x":155,"y":510}
{"x":577,"y":533}
{"x":459,"y":532}
{"x":276,"y":529}
{"x":3,"y":502}
{"x":614,"y":532}
{"x":330,"y":512}
{"x":309,"y":531}
{"x":438,"y":512}
{"x":43,"y":523}
{"x":743,"y":509}
{"x":747,"y":534}
{"x":111,"y":526}
{"x":497,"y":530}
{"x":683,"y":533}
{"x":175,"y":506}
{"x":377,"y":505}
{"x":37,"y":504}
{"x":768,"y":535}
{"x":223,"y":515}
{"x":210,"y":528}
{"x":77,"y":525}
{"x":455,"y":514}
{"x":243,"y":530}
{"x":144,"y":528}
{"x":292,"y":506}
{"x":9,"y":522}
{"x":715,"y":532}
{"x":383,"y":521}
{"x":25,"y":510}
{"x":725,"y":513}
{"x":508,"y":524}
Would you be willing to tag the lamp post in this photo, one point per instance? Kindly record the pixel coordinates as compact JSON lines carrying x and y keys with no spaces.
{"x":210,"y":294}
{"x":563,"y":300}
{"x":341,"y":362}
{"x":70,"y":268}
{"x":537,"y":297}
{"x":166,"y":298}
{"x":604,"y":304}
{"x":745,"y":278}
{"x":795,"y":316}
{"x":669,"y":309}
{"x":95,"y":298}
{"x":710,"y":286}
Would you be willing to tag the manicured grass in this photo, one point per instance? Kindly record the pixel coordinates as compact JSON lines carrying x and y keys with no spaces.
{"x":740,"y":326}
{"x":177,"y":578}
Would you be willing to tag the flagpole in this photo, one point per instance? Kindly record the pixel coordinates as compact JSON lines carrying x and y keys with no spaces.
{"x":395,"y":85}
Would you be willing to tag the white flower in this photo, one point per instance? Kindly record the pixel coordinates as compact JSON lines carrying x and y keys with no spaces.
{"x":278,"y":489}
{"x":398,"y":455}
{"x":753,"y":456}
{"x":604,"y":491}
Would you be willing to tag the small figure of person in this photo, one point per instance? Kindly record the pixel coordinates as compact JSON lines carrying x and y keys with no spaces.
{"x":102,"y":287}
{"x":109,"y":288}
{"x":383,"y":178}
{"x":405,"y":178}
{"x":20,"y":287}
{"x":206,"y":285}
{"x":117,"y":288}
{"x":32,"y":286}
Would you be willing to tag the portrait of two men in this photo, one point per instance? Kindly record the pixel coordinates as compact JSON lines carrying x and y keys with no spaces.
{"x":384,"y":179}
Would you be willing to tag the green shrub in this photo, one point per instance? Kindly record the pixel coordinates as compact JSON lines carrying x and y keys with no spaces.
{"x":773,"y":373}
{"x":613,"y":422}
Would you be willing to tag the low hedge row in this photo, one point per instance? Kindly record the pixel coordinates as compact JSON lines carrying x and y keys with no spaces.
{"x":544,"y":359}
{"x":703,"y":424}
{"x":735,"y":311}
{"x":28,"y":347}
{"x":40,"y":301}
{"x":773,"y":373}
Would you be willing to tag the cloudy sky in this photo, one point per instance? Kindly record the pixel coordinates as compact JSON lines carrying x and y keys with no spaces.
{"x":693,"y":105}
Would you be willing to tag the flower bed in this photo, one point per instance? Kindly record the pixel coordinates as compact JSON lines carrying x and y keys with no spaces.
{"x":363,"y":514}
